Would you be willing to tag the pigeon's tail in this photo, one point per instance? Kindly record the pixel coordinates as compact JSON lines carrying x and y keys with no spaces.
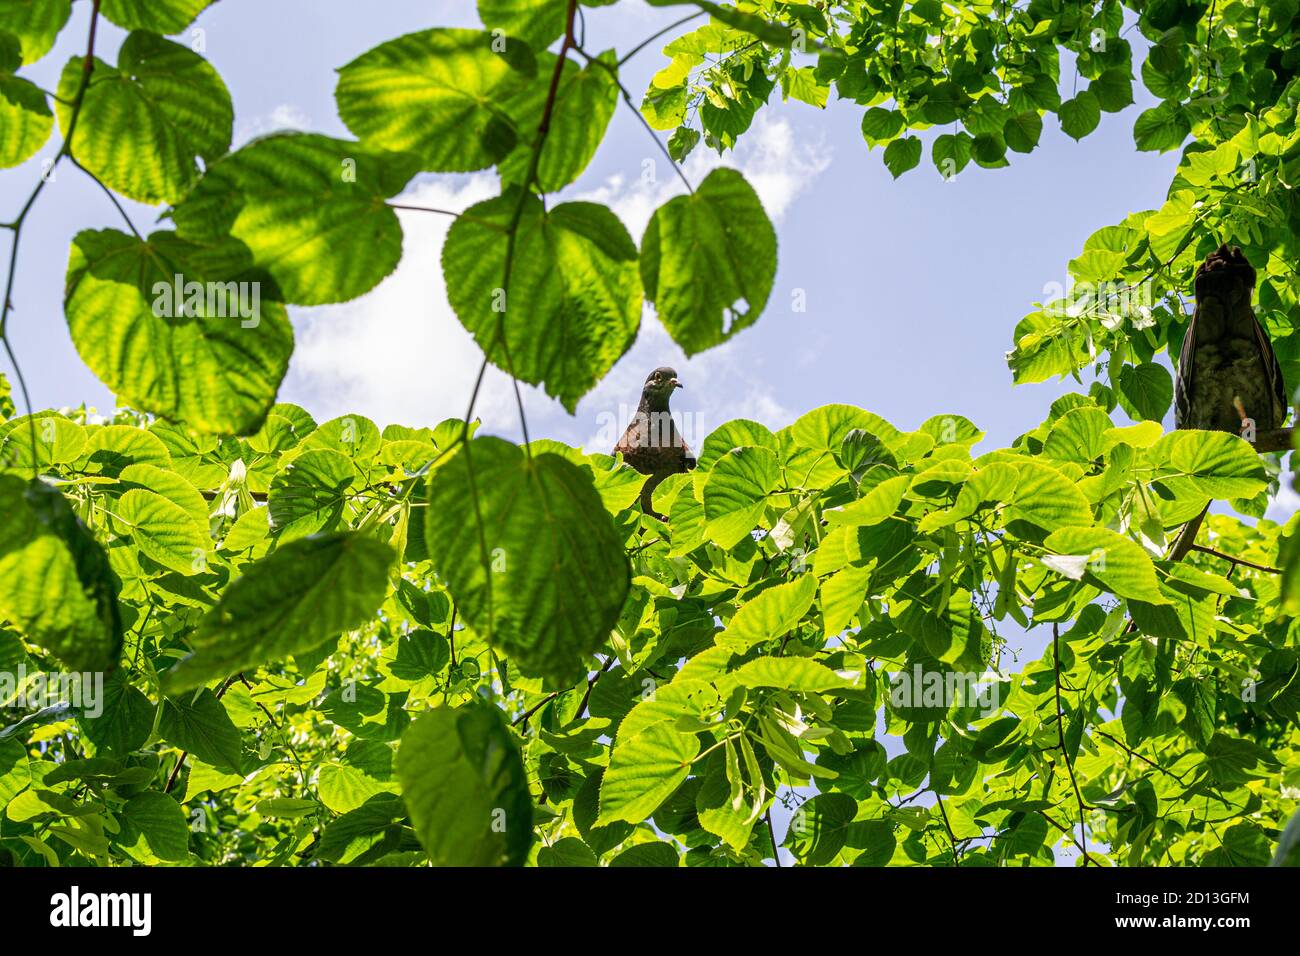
{"x":1187,"y":537}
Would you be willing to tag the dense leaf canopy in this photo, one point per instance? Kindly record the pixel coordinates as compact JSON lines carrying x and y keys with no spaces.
{"x":341,"y":643}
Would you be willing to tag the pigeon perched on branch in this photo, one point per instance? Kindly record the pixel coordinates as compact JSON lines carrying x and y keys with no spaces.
{"x":1229,"y":378}
{"x":651,"y":444}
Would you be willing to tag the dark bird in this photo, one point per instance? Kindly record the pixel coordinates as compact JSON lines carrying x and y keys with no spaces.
{"x":1229,"y":379}
{"x":651,"y":444}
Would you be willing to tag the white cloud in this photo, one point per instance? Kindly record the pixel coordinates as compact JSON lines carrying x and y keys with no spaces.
{"x":774,"y":161}
{"x":400,"y":355}
{"x":284,"y":116}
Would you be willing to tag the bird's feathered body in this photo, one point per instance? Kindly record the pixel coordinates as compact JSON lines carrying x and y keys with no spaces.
{"x":1227,"y":356}
{"x":651,"y":443}
{"x":1228,"y":374}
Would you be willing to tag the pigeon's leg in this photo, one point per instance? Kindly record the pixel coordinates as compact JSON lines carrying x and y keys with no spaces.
{"x":1247,"y":423}
{"x":647,"y":498}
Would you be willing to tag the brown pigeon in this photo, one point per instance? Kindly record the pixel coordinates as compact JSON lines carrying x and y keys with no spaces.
{"x":651,"y":444}
{"x":1228,"y":375}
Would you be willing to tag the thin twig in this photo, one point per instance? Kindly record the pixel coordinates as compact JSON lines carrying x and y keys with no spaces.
{"x":627,"y":98}
{"x":771,"y":832}
{"x":657,"y":34}
{"x":1242,"y":561}
{"x":952,"y":837}
{"x":1065,"y":753}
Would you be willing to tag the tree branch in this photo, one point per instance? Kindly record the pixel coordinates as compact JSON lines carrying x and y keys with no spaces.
{"x":1242,"y":561}
{"x":1275,"y":439}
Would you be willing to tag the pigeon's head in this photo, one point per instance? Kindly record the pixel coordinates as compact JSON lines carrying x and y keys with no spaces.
{"x":659,"y":386}
{"x":1226,"y":275}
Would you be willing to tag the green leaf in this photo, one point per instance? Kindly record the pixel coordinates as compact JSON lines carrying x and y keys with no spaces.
{"x":1161,"y":128}
{"x":791,"y":673}
{"x":464,"y":784}
{"x":55,"y":440}
{"x":344,"y":789}
{"x":198,"y":723}
{"x":1145,"y":391}
{"x":309,"y":493}
{"x":644,"y":771}
{"x":171,"y":485}
{"x":55,"y":581}
{"x":164,"y":531}
{"x":880,"y":125}
{"x":680,"y":144}
{"x":567,"y":851}
{"x":36,"y":24}
{"x":529,"y":553}
{"x":902,"y":155}
{"x":438,"y":94}
{"x":145,"y":124}
{"x":733,"y":434}
{"x":1022,"y":131}
{"x":770,"y":614}
{"x":1046,"y":498}
{"x":162,"y":822}
{"x":25,"y":116}
{"x":1214,"y":464}
{"x":293,"y":600}
{"x":1080,"y":116}
{"x":819,"y":827}
{"x":722,"y":232}
{"x":1116,"y":562}
{"x":951,"y":153}
{"x":1232,"y":761}
{"x":584,"y":102}
{"x":536,"y":22}
{"x":989,"y":150}
{"x":213,"y":359}
{"x":875,"y":506}
{"x":648,"y":854}
{"x":573,"y":302}
{"x":1113,"y":89}
{"x":369,"y":827}
{"x":160,"y":16}
{"x":736,"y":491}
{"x":309,"y":208}
{"x":125,"y":717}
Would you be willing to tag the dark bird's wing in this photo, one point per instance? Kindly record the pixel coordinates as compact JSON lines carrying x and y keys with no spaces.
{"x":1183,"y":381}
{"x":1273,"y":371}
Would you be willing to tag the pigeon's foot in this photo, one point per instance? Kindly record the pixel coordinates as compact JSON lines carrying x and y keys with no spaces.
{"x":1247,"y":423}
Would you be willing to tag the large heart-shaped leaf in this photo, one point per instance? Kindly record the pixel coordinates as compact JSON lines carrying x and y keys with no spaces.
{"x":311,"y":210}
{"x":529,"y":553}
{"x":573,"y":302}
{"x":213,"y":360}
{"x":302,"y":594}
{"x":438,"y":94}
{"x":145,"y":124}
{"x":721,"y":232}
{"x":55,"y":581}
{"x":465,"y":787}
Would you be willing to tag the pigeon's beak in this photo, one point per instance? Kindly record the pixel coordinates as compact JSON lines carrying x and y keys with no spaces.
{"x":677,"y":384}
